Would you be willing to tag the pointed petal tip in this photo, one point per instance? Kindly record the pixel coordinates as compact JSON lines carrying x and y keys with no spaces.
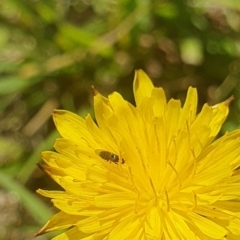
{"x":139,"y":71}
{"x":225,"y":103}
{"x":94,"y":91}
{"x":40,"y":166}
{"x":45,"y":169}
{"x":42,"y":230}
{"x":58,"y":112}
{"x":142,"y":86}
{"x":38,"y":234}
{"x":229,"y":100}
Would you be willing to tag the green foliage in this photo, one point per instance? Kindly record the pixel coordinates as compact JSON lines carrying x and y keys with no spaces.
{"x":52,"y":51}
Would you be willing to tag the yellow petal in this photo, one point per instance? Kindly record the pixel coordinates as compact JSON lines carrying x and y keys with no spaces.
{"x":220,"y":113}
{"x":208,"y":227}
{"x":71,"y":126}
{"x":59,"y":221}
{"x":74,"y":234}
{"x":142,"y":86}
{"x":153,"y":224}
{"x":160,"y":101}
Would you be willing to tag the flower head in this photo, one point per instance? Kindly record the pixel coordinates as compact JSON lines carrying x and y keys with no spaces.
{"x":151,"y":172}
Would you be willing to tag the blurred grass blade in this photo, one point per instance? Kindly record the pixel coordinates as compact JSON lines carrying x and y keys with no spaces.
{"x":31,"y":203}
{"x":13,"y":84}
{"x":26,"y":171}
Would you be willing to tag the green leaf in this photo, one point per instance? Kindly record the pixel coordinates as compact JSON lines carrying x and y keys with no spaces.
{"x":191,"y":51}
{"x":13,"y":84}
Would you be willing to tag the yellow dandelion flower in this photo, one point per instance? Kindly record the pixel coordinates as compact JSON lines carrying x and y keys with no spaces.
{"x":150,"y":172}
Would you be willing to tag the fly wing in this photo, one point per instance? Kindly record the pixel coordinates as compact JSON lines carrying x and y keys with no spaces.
{"x":98,"y":151}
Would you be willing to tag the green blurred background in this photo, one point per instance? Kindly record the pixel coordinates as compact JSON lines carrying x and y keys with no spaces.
{"x":52,"y":51}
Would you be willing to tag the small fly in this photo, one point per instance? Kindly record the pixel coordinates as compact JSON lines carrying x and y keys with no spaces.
{"x":110,"y":157}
